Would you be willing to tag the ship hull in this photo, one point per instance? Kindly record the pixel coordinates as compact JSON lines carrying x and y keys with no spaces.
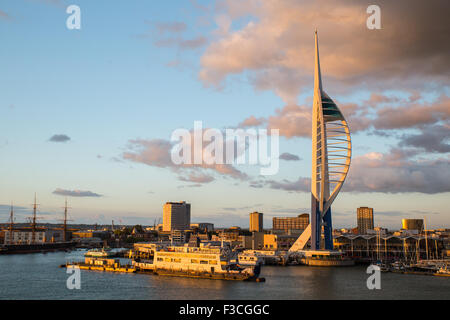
{"x":205,"y":275}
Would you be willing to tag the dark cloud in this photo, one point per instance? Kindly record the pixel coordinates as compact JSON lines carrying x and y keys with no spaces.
{"x":301,"y":185}
{"x":76,"y":193}
{"x":289,"y":157}
{"x":431,"y":139}
{"x":59,"y":138}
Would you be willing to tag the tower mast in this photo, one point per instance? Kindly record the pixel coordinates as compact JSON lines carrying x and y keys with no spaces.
{"x":331,"y":156}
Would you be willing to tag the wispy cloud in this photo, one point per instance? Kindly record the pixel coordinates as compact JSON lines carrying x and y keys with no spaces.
{"x":76,"y":193}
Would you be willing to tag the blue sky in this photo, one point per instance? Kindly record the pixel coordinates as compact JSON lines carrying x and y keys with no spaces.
{"x":128,"y":75}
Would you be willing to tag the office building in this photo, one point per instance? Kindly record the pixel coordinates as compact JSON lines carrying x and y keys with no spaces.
{"x":412,"y":224}
{"x":288,"y":224}
{"x":256,"y":222}
{"x":365,"y":219}
{"x":176,"y":216}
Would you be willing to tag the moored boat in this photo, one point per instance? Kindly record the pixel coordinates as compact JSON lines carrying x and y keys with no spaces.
{"x":198,"y":262}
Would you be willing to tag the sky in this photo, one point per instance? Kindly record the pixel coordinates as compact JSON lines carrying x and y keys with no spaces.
{"x":88,"y":114}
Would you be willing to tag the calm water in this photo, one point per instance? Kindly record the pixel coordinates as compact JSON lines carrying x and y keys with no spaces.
{"x":37,"y":276}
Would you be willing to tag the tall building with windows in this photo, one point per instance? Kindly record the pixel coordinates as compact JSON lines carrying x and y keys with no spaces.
{"x":256,"y":222}
{"x":287,"y":224}
{"x":365,"y":219}
{"x":176,"y":216}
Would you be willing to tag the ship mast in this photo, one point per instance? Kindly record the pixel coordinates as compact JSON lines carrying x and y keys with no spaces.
{"x":426,"y":237}
{"x":33,"y":223}
{"x":11,"y":224}
{"x":65,"y":222}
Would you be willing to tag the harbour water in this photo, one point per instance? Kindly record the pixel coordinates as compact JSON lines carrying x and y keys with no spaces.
{"x":38,"y":276}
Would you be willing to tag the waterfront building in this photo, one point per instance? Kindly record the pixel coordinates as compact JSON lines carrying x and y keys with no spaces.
{"x":176,"y":216}
{"x":287,"y":224}
{"x":413,"y":224}
{"x":279,"y":241}
{"x":390,"y":247}
{"x":365,"y":219}
{"x":256,"y":222}
{"x":331,"y":157}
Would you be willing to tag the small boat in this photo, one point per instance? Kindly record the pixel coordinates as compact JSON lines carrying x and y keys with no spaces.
{"x":249,"y":259}
{"x":383,"y":266}
{"x":444,"y":270}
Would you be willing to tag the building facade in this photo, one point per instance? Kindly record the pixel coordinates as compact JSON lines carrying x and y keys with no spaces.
{"x":413,"y":224}
{"x":176,"y":216}
{"x":365,"y":219}
{"x":287,"y":224}
{"x":256,"y":222}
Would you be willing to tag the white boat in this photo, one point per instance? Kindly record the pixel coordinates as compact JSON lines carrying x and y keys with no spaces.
{"x":197,"y":262}
{"x":99,"y":253}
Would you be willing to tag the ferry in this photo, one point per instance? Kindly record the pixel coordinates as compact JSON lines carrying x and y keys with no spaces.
{"x":217,"y":263}
{"x":99,"y":253}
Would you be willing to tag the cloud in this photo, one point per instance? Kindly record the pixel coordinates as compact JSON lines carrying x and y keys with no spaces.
{"x":186,"y":44}
{"x":275,"y":49}
{"x":431,"y":139}
{"x":197,"y":177}
{"x":251,"y":122}
{"x":76,"y":193}
{"x":59,"y":138}
{"x":289,"y":157}
{"x":394,"y":172}
{"x":292,"y":121}
{"x":173,"y":27}
{"x":301,"y":185}
{"x":4,"y":15}
{"x":157,"y":153}
{"x":411,"y":115}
